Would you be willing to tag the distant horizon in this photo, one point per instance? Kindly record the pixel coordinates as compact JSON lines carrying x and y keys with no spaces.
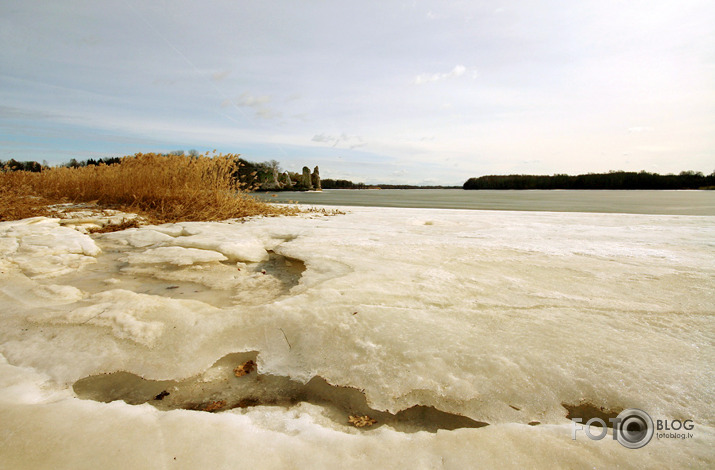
{"x":311,"y":162}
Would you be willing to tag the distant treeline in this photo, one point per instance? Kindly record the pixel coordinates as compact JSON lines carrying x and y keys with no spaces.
{"x":14,"y":165}
{"x":328,"y":183}
{"x":412,"y":186}
{"x":610,"y":180}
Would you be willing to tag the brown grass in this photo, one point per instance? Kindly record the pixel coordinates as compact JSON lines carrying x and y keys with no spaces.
{"x":19,"y":203}
{"x":160,"y":188}
{"x":123,"y":225}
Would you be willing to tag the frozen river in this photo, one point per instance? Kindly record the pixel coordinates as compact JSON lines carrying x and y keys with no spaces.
{"x":624,"y":202}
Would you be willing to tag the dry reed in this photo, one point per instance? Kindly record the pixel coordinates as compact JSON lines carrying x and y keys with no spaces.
{"x":161,"y":188}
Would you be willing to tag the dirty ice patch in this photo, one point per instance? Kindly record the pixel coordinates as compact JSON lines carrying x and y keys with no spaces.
{"x":175,"y":255}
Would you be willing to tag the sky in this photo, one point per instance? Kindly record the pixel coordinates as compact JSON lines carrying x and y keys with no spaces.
{"x":412,"y":92}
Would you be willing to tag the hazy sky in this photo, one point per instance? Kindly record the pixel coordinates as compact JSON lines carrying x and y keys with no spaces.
{"x":377,"y":91}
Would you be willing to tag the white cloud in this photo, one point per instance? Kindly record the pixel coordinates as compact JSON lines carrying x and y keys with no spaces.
{"x":218,"y":76}
{"x":258,"y":103}
{"x":248,"y":100}
{"x":323,"y":138}
{"x":350,"y":141}
{"x":456,"y":72}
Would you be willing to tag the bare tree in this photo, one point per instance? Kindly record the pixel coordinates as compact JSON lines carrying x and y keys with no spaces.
{"x":275,"y":165}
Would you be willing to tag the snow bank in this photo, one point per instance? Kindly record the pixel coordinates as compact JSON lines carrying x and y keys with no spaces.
{"x":502,"y":317}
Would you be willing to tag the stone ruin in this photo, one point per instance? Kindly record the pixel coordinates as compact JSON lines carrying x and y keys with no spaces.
{"x":315,"y":179}
{"x":305,"y":181}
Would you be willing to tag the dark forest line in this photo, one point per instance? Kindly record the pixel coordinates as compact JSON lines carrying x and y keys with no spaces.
{"x":610,"y":180}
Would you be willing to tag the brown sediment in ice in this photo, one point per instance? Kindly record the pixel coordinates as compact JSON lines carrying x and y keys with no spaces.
{"x":222,"y":388}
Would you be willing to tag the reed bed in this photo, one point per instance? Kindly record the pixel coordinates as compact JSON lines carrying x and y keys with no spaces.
{"x":160,"y":188}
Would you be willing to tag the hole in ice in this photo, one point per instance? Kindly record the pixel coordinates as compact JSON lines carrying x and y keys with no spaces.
{"x":586,"y":411}
{"x":287,"y":270}
{"x":233,"y":382}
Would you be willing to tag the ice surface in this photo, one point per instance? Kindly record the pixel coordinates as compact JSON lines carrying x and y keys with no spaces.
{"x":236,"y":245}
{"x":140,"y":238}
{"x":41,"y":247}
{"x":174,"y":255}
{"x":501,"y":317}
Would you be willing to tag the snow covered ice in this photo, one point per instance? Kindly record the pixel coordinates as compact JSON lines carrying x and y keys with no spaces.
{"x":504,"y":318}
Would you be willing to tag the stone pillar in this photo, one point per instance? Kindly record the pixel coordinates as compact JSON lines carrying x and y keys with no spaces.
{"x":315,"y":177}
{"x":275,"y":183}
{"x":306,"y":178}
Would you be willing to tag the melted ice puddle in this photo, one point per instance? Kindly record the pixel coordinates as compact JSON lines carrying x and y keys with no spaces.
{"x":221,"y":284}
{"x":232,"y":382}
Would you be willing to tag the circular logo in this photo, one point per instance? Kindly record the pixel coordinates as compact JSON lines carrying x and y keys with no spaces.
{"x":634,"y":428}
